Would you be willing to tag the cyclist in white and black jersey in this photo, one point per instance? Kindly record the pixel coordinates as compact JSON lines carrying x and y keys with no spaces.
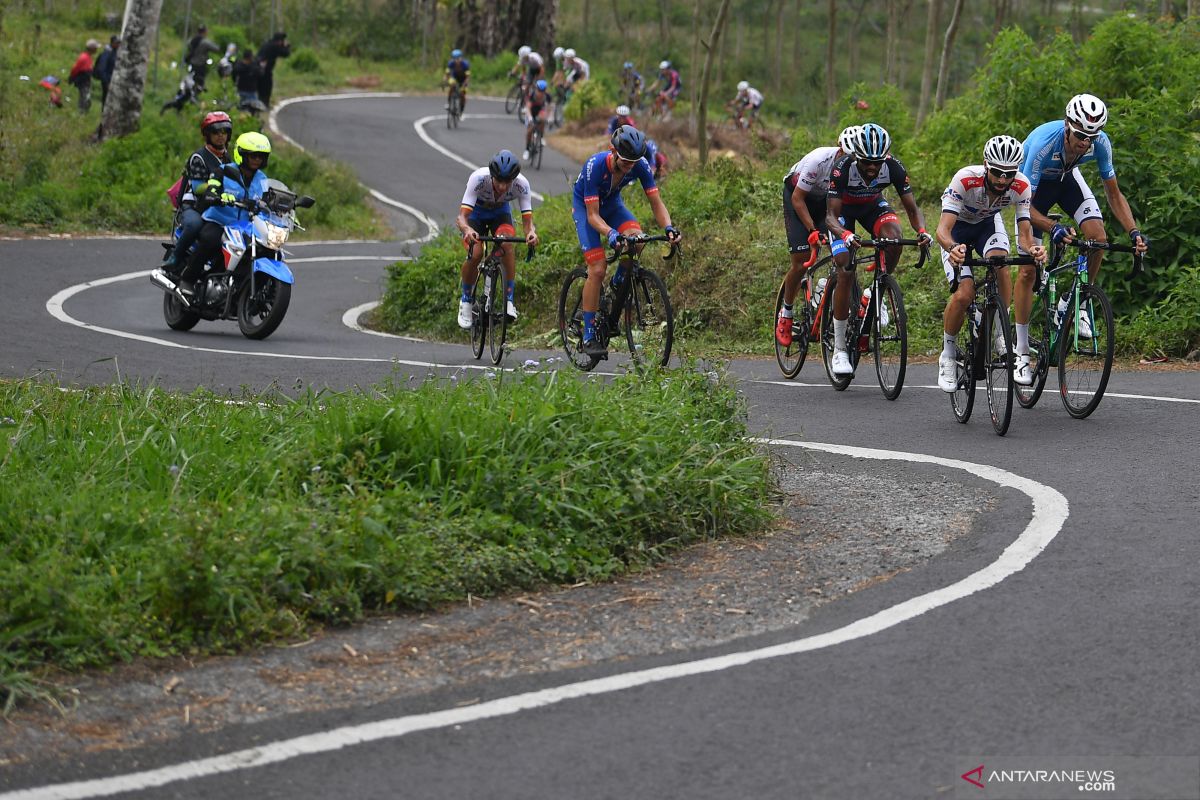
{"x":577,"y":69}
{"x":804,"y":190}
{"x":485,"y":210}
{"x":971,"y":220}
{"x":855,"y":185}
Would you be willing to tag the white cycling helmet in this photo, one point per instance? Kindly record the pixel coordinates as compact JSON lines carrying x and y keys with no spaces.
{"x":622,"y":111}
{"x":569,"y":52}
{"x":524,"y":51}
{"x":872,"y":143}
{"x":664,"y":65}
{"x":1003,"y":152}
{"x":743,"y":86}
{"x":847,"y":137}
{"x":558,"y":53}
{"x":1087,"y":113}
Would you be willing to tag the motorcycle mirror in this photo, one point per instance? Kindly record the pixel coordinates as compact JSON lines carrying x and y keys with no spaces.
{"x":304,"y":201}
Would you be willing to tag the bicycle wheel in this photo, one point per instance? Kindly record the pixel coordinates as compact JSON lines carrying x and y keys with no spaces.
{"x":558,"y":113}
{"x":513,"y":99}
{"x":497,"y":326}
{"x":478,"y":320}
{"x":1084,"y":365}
{"x":538,"y":145}
{"x":998,"y":366}
{"x":889,"y":336}
{"x":649,"y":320}
{"x":839,"y":382}
{"x":570,"y":319}
{"x":1039,"y":355}
{"x":963,"y":398}
{"x":791,"y":358}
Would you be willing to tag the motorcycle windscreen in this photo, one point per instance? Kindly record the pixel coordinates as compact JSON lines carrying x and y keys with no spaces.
{"x":276,"y":269}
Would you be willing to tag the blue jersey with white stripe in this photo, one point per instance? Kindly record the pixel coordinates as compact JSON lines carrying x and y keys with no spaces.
{"x":1045,"y":156}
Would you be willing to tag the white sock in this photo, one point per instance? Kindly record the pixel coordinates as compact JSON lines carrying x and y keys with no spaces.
{"x":1023,"y":339}
{"x":949,"y":344}
{"x":839,"y":334}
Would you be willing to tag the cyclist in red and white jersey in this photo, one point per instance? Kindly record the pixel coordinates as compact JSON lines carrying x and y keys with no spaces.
{"x":971,"y":220}
{"x":671,"y":84}
{"x":746,"y":104}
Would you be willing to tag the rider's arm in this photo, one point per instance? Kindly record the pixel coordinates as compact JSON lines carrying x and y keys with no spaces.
{"x":833,"y":210}
{"x":661,"y":215}
{"x":1119,"y":205}
{"x":1027,"y":242}
{"x":915,"y":217}
{"x":956,"y":250}
{"x":527,"y":226}
{"x":799,"y":204}
{"x":592,"y":206}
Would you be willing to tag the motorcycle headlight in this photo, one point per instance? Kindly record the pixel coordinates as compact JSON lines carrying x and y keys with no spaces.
{"x":275,"y":235}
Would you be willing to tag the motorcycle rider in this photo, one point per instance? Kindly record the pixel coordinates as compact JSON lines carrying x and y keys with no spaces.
{"x":205,"y":163}
{"x":251,"y":153}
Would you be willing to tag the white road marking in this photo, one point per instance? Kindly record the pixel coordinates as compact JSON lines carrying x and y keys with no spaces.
{"x":1050,"y":510}
{"x":350,"y":320}
{"x":1151,"y":397}
{"x":419,"y":127}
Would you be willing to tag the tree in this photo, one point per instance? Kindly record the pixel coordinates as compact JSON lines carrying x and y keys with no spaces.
{"x":491,"y":26}
{"x":893,"y":41}
{"x":714,"y":42}
{"x":931,"y":26}
{"x":830,"y":52}
{"x":947,"y":48}
{"x":122,"y":113}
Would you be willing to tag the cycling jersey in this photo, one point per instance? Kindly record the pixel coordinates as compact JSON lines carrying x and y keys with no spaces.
{"x":1045,"y":157}
{"x":846,"y":183}
{"x":672,"y":83}
{"x":579,"y":70}
{"x":751,"y":97}
{"x":480,"y":198}
{"x":967,"y":196}
{"x":595,"y":184}
{"x":617,"y":121}
{"x":632,"y":80}
{"x":535,"y":62}
{"x":654,"y":157}
{"x":811,"y":173}
{"x":458,"y":69}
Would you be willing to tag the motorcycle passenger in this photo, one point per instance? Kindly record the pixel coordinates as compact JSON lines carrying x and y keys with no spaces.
{"x":251,"y":153}
{"x":205,"y":163}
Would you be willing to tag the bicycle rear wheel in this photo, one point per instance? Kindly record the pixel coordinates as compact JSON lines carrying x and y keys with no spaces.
{"x":839,"y":382}
{"x":1084,"y":365}
{"x":1039,"y":355}
{"x":791,"y":358}
{"x":962,"y":401}
{"x":497,"y":326}
{"x":479,"y":319}
{"x":889,"y":337}
{"x":998,"y":366}
{"x":513,"y":99}
{"x":538,"y":145}
{"x":649,"y":320}
{"x":570,"y":320}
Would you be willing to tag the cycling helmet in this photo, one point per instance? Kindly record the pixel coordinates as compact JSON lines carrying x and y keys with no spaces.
{"x":743,"y":86}
{"x":504,"y":166}
{"x":456,"y":53}
{"x":558,"y":53}
{"x":627,"y":65}
{"x":1087,"y":113}
{"x":569,"y":52}
{"x":252,"y":142}
{"x":664,"y":65}
{"x":541,"y":84}
{"x":524,"y":51}
{"x":1003,"y":152}
{"x":847,"y":137}
{"x":623,"y":111}
{"x":216,"y":122}
{"x":629,"y":142}
{"x":872,"y":143}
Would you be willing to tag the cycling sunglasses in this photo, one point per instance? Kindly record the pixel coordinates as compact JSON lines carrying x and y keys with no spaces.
{"x":1083,"y":137}
{"x":1003,"y":174}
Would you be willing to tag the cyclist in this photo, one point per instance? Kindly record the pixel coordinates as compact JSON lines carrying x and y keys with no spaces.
{"x":747,"y":99}
{"x":671,"y":86}
{"x":458,"y":69}
{"x":804,"y":197}
{"x":485,"y":209}
{"x":202,"y":165}
{"x":971,"y":220}
{"x":631,"y":84}
{"x":535,"y":68}
{"x":623,"y":117}
{"x":577,"y":69}
{"x":601,"y":216}
{"x":856,"y":183}
{"x":1053,"y":154}
{"x":536,"y":104}
{"x":560,"y":75}
{"x":656,"y":159}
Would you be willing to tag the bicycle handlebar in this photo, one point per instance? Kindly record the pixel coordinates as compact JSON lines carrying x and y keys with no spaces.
{"x":886,"y":242}
{"x":998,"y":261}
{"x":1087,"y":245}
{"x":641,"y":238}
{"x":507,"y":240}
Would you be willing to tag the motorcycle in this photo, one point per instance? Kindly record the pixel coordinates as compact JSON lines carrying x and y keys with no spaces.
{"x":189,"y":92}
{"x":252,"y":284}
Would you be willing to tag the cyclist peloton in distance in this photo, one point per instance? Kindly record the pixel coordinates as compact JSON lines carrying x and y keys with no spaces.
{"x":485,"y":209}
{"x":855,"y":186}
{"x":971,"y":220}
{"x":805,"y":190}
{"x":601,"y":216}
{"x":459,"y":69}
{"x":1053,"y":153}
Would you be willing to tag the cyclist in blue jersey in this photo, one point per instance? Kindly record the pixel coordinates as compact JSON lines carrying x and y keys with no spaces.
{"x":623,"y":117}
{"x":1053,"y":153}
{"x":631,"y":84}
{"x":601,"y":216}
{"x":459,"y":69}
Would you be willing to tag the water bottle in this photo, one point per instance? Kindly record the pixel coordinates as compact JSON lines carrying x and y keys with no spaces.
{"x":866,"y":301}
{"x":976,"y":321}
{"x":1060,"y":313}
{"x":818,"y":292}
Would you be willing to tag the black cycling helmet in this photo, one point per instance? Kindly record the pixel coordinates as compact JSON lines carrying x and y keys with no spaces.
{"x":629,"y":142}
{"x":504,"y":166}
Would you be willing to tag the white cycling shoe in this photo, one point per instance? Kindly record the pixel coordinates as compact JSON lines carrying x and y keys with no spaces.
{"x":465,"y":317}
{"x":511,"y":310}
{"x":947,"y":373}
{"x":1085,"y":325}
{"x":841,"y":363}
{"x":1022,"y":374}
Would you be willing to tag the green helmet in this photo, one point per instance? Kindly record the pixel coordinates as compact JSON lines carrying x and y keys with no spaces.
{"x":252,"y":142}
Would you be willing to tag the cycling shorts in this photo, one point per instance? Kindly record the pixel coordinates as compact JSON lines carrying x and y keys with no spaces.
{"x":871,"y":216}
{"x":535,"y":112}
{"x":491,"y":223}
{"x":1071,"y":194}
{"x":614,"y":213}
{"x":797,"y":233}
{"x":981,"y":238}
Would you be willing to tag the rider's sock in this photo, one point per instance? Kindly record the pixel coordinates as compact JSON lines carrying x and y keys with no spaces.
{"x":619,"y":276}
{"x":786,"y":312}
{"x":839,"y":333}
{"x":589,"y":325}
{"x":467,"y":288}
{"x":1023,"y":338}
{"x":949,"y":343}
{"x":509,"y":287}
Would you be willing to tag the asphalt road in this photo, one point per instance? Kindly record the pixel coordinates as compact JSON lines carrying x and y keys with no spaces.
{"x":1061,"y":633}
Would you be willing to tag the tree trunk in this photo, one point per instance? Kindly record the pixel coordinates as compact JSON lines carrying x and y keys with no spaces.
{"x":1193,"y":7}
{"x":713,"y":43}
{"x":587,"y":10}
{"x":799,"y":36}
{"x":778,"y":48}
{"x":947,"y":48}
{"x":664,"y":24}
{"x":122,"y":113}
{"x":893,"y":41}
{"x":931,"y":26}
{"x":489,"y":27}
{"x":693,"y":86}
{"x":831,"y":63}
{"x":617,"y":19}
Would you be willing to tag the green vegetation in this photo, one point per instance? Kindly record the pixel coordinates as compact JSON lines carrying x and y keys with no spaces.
{"x":139,"y":522}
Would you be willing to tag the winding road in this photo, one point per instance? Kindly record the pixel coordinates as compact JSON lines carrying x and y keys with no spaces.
{"x":1061,"y":633}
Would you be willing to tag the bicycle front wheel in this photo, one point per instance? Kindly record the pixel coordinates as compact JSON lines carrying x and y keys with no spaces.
{"x":791,"y":358}
{"x":649,"y":320}
{"x":497,"y":328}
{"x":1085,"y":361}
{"x":538,"y":145}
{"x":479,"y":320}
{"x":513,"y":99}
{"x":570,"y":320}
{"x":962,"y":401}
{"x":839,"y":382}
{"x":1039,"y":355}
{"x":998,"y":366}
{"x":889,"y":336}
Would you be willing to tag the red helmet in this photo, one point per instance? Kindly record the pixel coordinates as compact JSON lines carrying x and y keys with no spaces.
{"x":215,"y":122}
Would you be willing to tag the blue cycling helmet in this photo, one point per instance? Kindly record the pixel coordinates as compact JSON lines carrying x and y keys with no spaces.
{"x":629,"y":142}
{"x":541,"y":84}
{"x":872,"y":143}
{"x":504,"y":166}
{"x":627,"y":65}
{"x":456,"y":53}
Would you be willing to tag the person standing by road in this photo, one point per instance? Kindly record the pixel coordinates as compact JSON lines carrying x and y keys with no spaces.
{"x":105,"y":64}
{"x":199,"y":46}
{"x":81,"y":74}
{"x":273,"y":49}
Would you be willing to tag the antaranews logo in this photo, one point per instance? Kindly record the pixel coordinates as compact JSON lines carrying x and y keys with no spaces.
{"x":978,"y":779}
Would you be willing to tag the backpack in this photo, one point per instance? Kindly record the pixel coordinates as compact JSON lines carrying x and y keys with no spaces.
{"x":176,"y":191}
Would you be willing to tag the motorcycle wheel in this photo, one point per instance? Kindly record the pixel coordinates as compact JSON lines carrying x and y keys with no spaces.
{"x":260,"y":312}
{"x":178,"y":316}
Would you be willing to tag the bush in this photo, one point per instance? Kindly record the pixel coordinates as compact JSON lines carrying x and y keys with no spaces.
{"x":304,"y":60}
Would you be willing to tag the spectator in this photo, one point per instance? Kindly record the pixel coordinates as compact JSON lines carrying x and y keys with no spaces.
{"x":277,"y":47}
{"x":104,"y":67}
{"x":81,"y":74}
{"x":199,"y":46}
{"x":50,"y":83}
{"x":247,"y":74}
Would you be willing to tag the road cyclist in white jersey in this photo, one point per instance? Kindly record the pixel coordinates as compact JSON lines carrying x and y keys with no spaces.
{"x":746,"y":104}
{"x":971,"y":220}
{"x":486,"y":209}
{"x":804,"y":193}
{"x":1054,"y":152}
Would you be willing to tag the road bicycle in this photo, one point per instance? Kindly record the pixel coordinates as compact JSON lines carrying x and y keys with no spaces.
{"x":1082,"y":354}
{"x":489,"y":301}
{"x":640,"y":300}
{"x":561,"y":95}
{"x":880,"y":324}
{"x":536,"y":145}
{"x":985,"y":346}
{"x":516,"y":98}
{"x":453,"y":105}
{"x":809,"y":309}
